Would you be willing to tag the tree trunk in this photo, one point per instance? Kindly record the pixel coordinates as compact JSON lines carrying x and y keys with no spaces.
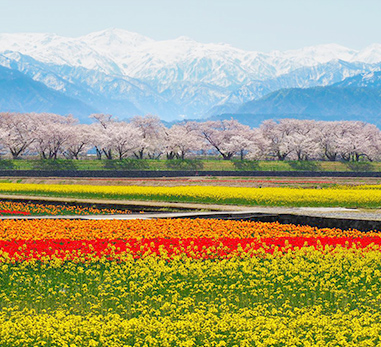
{"x":281,"y":156}
{"x":330,"y":156}
{"x":171,"y":155}
{"x":227,"y":156}
{"x":108,"y":154}
{"x":99,"y":153}
{"x":15,"y":155}
{"x":139,"y":154}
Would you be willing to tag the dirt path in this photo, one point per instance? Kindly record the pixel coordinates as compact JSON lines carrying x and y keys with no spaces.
{"x":125,"y":203}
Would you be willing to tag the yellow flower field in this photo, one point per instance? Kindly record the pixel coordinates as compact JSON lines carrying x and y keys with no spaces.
{"x":306,"y":297}
{"x":345,"y":197}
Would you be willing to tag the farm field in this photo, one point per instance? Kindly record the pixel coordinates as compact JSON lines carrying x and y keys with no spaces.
{"x":187,"y":283}
{"x":351,"y":196}
{"x":183,"y":282}
{"x":294,"y":182}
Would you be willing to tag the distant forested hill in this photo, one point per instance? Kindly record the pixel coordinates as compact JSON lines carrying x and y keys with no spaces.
{"x":20,"y":93}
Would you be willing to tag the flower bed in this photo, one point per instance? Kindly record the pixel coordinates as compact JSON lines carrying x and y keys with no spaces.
{"x":9,"y":208}
{"x":187,"y":283}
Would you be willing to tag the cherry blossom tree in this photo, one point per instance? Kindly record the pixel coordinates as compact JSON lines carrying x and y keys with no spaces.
{"x":103,"y":119}
{"x":51,"y":135}
{"x":329,"y":139}
{"x":153,"y":134}
{"x":123,"y":138}
{"x":374,"y":149}
{"x":110,"y":136}
{"x":226,"y":137}
{"x":53,"y":131}
{"x":181,"y":139}
{"x":17,"y":132}
{"x":302,"y":138}
{"x":258,"y":145}
{"x":79,"y":141}
{"x":356,"y":140}
{"x":277,"y":135}
{"x":99,"y":136}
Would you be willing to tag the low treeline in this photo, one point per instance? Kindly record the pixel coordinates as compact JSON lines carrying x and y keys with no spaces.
{"x":51,"y":136}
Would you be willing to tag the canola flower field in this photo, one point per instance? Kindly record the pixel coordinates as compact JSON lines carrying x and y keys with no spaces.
{"x":187,"y":283}
{"x":362,"y":196}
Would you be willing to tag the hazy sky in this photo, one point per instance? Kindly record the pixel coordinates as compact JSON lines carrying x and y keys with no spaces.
{"x":249,"y":24}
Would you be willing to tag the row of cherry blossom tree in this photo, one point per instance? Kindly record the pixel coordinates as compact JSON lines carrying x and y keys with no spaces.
{"x":51,"y":136}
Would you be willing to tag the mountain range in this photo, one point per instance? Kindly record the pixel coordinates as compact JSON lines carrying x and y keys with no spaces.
{"x":126,"y":74}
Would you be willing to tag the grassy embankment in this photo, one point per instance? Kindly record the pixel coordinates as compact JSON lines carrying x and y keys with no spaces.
{"x":192,"y":165}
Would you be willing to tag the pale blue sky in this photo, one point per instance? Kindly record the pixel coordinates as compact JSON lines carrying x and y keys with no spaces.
{"x":249,"y":24}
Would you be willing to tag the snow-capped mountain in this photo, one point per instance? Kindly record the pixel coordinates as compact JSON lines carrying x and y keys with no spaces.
{"x":305,"y":77}
{"x":125,"y":73}
{"x":370,"y":54}
{"x":363,"y":80}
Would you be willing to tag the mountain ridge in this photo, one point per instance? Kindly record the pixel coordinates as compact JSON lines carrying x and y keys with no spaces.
{"x":19,"y":93}
{"x":333,"y":103}
{"x":116,"y":71}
